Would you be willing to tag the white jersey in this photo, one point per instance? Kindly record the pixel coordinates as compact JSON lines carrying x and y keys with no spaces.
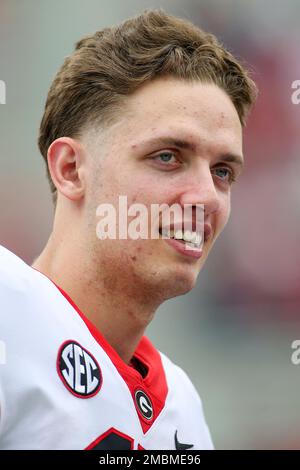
{"x":62,"y":386}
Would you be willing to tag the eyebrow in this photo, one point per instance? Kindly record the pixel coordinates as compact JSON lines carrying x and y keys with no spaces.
{"x":237,"y":159}
{"x":186,"y":145}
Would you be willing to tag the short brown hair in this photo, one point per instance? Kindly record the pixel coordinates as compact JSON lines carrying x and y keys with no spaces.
{"x":112,"y":63}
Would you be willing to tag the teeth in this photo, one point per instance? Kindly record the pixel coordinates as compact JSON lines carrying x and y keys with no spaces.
{"x":188,"y":236}
{"x":198,"y":239}
{"x":167,"y":233}
{"x":192,"y":246}
{"x":192,"y":238}
{"x":178,"y":234}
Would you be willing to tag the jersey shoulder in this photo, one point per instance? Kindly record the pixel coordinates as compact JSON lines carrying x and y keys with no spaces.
{"x":14,"y":272}
{"x":180,"y":378}
{"x":18,"y":282}
{"x":185,"y":396}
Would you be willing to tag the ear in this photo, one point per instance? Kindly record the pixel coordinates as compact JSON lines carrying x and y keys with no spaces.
{"x":65,"y":162}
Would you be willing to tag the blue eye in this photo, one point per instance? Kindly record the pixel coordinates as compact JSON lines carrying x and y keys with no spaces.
{"x":226,"y":174}
{"x":164,"y":157}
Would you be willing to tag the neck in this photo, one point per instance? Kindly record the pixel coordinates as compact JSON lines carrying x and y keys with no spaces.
{"x":113,"y":304}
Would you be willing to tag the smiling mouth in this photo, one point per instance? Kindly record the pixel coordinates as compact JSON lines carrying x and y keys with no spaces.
{"x":190,"y":239}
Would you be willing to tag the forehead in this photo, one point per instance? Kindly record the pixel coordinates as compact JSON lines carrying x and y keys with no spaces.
{"x":191,"y":110}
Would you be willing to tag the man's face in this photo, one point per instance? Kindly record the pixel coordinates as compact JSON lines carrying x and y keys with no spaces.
{"x":175,"y":142}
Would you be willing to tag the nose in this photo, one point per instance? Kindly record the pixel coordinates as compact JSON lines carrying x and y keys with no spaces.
{"x":200,"y":189}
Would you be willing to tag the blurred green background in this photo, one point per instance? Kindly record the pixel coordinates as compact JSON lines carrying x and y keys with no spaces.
{"x":233,"y":333}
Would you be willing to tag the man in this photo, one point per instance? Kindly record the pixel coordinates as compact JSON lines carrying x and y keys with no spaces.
{"x":152,"y":110}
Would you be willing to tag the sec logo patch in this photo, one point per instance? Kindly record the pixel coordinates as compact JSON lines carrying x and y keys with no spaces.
{"x":78,"y":370}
